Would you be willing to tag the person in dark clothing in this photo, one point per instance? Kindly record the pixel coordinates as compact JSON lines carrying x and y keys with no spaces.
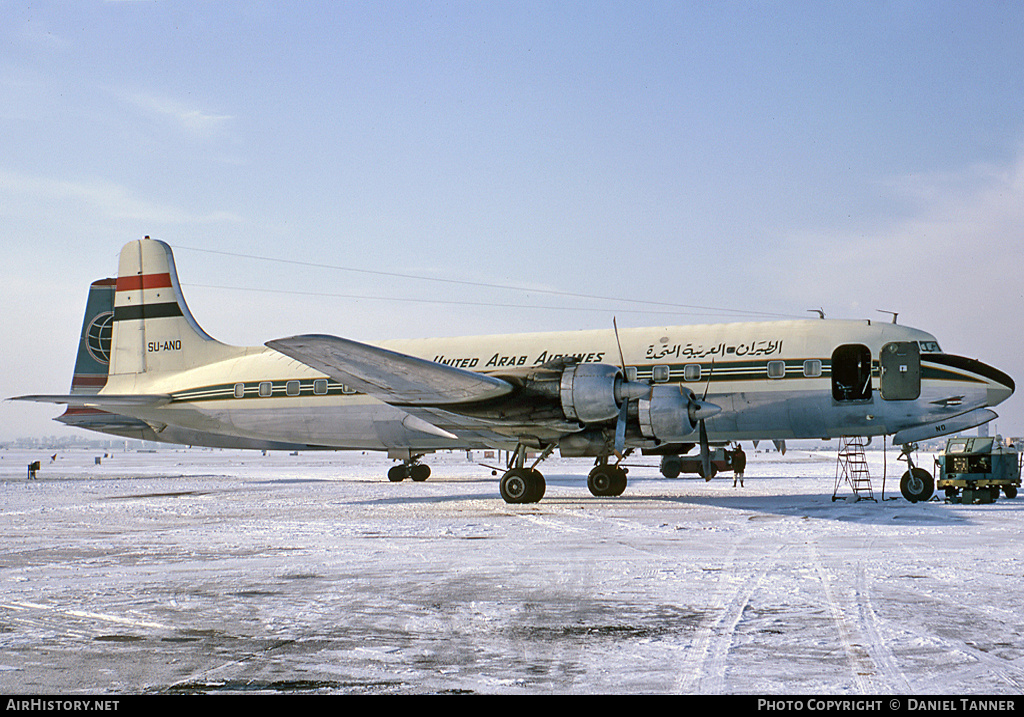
{"x":739,"y":463}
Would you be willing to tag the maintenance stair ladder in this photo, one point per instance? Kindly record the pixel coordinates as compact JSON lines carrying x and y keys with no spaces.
{"x":852,"y":466}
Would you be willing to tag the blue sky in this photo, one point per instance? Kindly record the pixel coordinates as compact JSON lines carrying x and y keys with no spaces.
{"x":751,"y":157}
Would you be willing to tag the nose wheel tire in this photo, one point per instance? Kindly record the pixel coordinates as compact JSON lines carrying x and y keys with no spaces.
{"x":917,"y":485}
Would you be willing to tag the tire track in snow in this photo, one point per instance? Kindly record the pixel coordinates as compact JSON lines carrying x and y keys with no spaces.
{"x":862,"y":667}
{"x":877,"y":647}
{"x":706,"y":657}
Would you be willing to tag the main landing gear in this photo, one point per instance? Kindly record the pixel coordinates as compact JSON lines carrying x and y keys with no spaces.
{"x":410,"y":468}
{"x":520,"y":484}
{"x":606,"y":480}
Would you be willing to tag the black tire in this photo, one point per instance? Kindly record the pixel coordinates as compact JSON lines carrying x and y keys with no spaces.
{"x":1010,"y":491}
{"x":917,"y":485}
{"x":620,"y":482}
{"x":397,"y":474}
{"x":521,"y":485}
{"x":606,"y":481}
{"x":670,"y":468}
{"x":539,"y":486}
{"x":419,"y":472}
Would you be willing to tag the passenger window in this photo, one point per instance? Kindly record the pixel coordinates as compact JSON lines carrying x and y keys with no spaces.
{"x":320,"y":387}
{"x":292,"y":388}
{"x":812,"y":368}
{"x":776,"y":369}
{"x":266,"y":389}
{"x":239,"y":390}
{"x":691,"y":372}
{"x":661,"y":373}
{"x":631,"y":373}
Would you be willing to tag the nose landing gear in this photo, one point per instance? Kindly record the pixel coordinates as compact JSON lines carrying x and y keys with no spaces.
{"x":916,"y":484}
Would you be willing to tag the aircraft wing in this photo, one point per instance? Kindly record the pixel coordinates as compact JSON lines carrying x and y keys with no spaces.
{"x":98,"y":400}
{"x":392,"y":377}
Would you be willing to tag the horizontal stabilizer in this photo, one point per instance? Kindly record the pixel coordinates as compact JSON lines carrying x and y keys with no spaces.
{"x":98,"y":400}
{"x":392,"y":377}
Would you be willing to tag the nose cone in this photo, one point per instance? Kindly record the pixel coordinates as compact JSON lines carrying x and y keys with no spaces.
{"x":1000,"y":385}
{"x":1001,"y":392}
{"x":997,"y":385}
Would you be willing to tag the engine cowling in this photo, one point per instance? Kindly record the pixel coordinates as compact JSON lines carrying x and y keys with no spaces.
{"x":672,"y":413}
{"x":588,"y":392}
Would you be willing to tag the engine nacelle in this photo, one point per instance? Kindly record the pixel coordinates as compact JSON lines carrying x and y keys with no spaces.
{"x":669,"y":415}
{"x":588,"y":392}
{"x":584,"y":445}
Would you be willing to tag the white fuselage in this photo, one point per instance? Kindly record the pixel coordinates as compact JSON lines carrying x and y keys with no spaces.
{"x":773,"y":380}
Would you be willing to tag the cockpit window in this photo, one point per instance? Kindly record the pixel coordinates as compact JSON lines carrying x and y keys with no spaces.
{"x":929,"y":347}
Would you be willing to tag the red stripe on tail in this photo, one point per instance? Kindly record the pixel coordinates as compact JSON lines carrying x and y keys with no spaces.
{"x":144,"y":281}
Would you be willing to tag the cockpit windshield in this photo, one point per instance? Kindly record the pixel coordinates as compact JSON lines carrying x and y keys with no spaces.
{"x":929,"y":347}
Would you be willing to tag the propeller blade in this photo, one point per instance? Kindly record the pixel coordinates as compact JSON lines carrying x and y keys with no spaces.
{"x":620,"y":430}
{"x":622,"y":360}
{"x":705,"y":452}
{"x":708,"y":384}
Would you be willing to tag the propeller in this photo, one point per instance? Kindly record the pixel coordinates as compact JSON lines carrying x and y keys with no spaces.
{"x":626,"y":390}
{"x":620,"y":424}
{"x":702,"y":414}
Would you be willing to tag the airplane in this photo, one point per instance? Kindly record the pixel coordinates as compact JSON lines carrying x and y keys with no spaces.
{"x":145,"y":369}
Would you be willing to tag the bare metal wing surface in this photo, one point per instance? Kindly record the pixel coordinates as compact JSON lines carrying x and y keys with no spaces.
{"x":395,"y":378}
{"x":99,"y":400}
{"x":440,"y":399}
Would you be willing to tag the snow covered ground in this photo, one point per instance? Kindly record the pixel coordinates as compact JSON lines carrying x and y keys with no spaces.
{"x":221,"y":571}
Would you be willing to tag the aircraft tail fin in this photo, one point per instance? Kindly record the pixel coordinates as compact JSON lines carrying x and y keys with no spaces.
{"x":93,"y":359}
{"x":153,"y":330}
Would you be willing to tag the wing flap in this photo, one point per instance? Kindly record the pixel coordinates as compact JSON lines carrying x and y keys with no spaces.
{"x":393,"y":377}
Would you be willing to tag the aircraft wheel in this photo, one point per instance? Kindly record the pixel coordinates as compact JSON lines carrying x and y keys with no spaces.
{"x":1010,"y":491}
{"x":522,"y":485}
{"x":398,"y":474}
{"x":606,"y":481}
{"x":620,"y":481}
{"x":670,"y":467}
{"x":917,"y":485}
{"x":419,"y":472}
{"x":540,"y":486}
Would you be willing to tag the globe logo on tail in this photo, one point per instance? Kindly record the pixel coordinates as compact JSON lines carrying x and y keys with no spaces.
{"x":98,"y":337}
